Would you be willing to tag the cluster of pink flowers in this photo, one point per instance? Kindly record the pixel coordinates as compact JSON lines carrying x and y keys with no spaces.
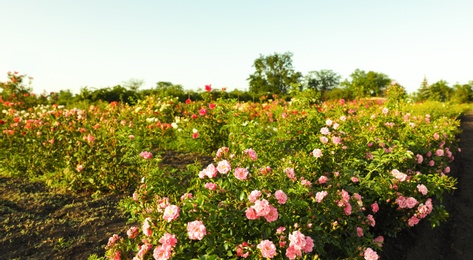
{"x":164,"y":251}
{"x":404,"y":202}
{"x":422,"y":189}
{"x":299,"y":243}
{"x":399,"y":175}
{"x":262,"y":208}
{"x":210,"y":172}
{"x":240,"y":250}
{"x":290,"y":173}
{"x":423,"y":210}
{"x":345,"y":202}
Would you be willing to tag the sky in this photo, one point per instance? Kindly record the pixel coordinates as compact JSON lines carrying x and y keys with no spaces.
{"x":100,"y":43}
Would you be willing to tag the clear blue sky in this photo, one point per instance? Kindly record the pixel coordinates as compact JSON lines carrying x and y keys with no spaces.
{"x":101,"y":43}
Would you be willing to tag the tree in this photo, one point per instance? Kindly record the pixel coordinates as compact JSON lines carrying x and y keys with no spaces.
{"x":133,"y":84}
{"x":165,"y":88}
{"x":371,"y":84}
{"x":440,"y":91}
{"x":273,"y":74}
{"x":322,"y":80}
{"x":462,"y":93}
{"x":424,"y":92}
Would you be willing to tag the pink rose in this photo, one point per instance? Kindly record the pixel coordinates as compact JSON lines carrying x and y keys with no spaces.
{"x":262,"y":207}
{"x":241,"y":173}
{"x":251,"y":213}
{"x":132,"y":232}
{"x":168,"y":239}
{"x":317,"y":153}
{"x":210,"y":186}
{"x":280,"y":196}
{"x":413,"y":221}
{"x":319,"y":196}
{"x":322,"y":179}
{"x":251,"y":153}
{"x":371,"y":220}
{"x":171,"y":212}
{"x":324,"y":131}
{"x":267,"y":248}
{"x":375,"y":207}
{"x":370,"y":254}
{"x":309,"y":244}
{"x":272,"y":215}
{"x":254,"y":195}
{"x":146,"y":155}
{"x":147,"y":227}
{"x":359,"y":231}
{"x":411,"y":202}
{"x":224,"y":167}
{"x":162,"y":252}
{"x":297,"y":239}
{"x":196,"y":230}
{"x":422,"y":189}
{"x":439,"y":152}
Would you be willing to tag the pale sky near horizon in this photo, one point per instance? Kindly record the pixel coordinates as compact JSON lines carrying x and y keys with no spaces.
{"x":102,"y":43}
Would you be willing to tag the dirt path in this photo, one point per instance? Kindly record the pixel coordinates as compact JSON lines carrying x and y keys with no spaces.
{"x":454,"y":238}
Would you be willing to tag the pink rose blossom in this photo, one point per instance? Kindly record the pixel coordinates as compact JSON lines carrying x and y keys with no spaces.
{"x":272,"y":215}
{"x":347,"y":209}
{"x":262,"y":207}
{"x":297,"y":239}
{"x":420,"y":159}
{"x":203,"y":111}
{"x":385,"y":110}
{"x":324,"y":131}
{"x":171,"y":212}
{"x":371,"y":220}
{"x":375,"y":207}
{"x":267,"y":248}
{"x":447,"y":169}
{"x":436,"y":136}
{"x":210,"y":186}
{"x":336,"y":126}
{"x":293,"y":253}
{"x":411,"y":202}
{"x":359,"y":231}
{"x":254,"y":195}
{"x":224,"y":167}
{"x":324,"y":139}
{"x":336,"y":140}
{"x":379,"y":241}
{"x":290,"y":173}
{"x":354,"y":179}
{"x":322,"y":179}
{"x":413,"y":221}
{"x":309,"y":244}
{"x":251,"y":213}
{"x":168,"y":239}
{"x":112,"y":240}
{"x":439,"y":152}
{"x":399,"y":175}
{"x":162,"y":252}
{"x":422,"y":189}
{"x":317,"y":153}
{"x":370,"y":254}
{"x":221,"y":151}
{"x":401,"y":202}
{"x":328,"y":122}
{"x":147,"y":227}
{"x":196,"y":230}
{"x":132,"y":232}
{"x":306,"y":183}
{"x":431,"y":163}
{"x":280,"y":230}
{"x":251,"y":153}
{"x":146,"y":155}
{"x":280,"y":196}
{"x":319,"y":196}
{"x":241,"y":173}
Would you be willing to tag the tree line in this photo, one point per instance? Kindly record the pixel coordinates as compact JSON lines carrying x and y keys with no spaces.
{"x":273,"y":74}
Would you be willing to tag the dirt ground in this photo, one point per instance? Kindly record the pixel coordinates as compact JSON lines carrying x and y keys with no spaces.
{"x":40,"y":223}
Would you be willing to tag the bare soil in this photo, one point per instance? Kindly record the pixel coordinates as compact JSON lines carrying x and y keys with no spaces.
{"x":38,"y":222}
